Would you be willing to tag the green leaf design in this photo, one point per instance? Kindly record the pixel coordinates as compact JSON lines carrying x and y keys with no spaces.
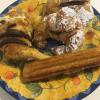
{"x":1,"y":18}
{"x":88,"y":74}
{"x":97,"y":28}
{"x":48,"y":53}
{"x":1,"y":55}
{"x":90,"y":45}
{"x":95,"y":24}
{"x":35,"y":88}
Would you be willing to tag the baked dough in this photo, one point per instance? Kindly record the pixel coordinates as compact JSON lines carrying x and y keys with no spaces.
{"x":70,"y":29}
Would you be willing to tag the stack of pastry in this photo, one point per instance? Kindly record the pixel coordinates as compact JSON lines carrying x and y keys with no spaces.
{"x":67,"y":25}
{"x":61,"y":20}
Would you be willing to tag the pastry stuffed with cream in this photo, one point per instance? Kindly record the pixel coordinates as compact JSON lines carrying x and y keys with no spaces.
{"x":67,"y":26}
{"x":32,"y":27}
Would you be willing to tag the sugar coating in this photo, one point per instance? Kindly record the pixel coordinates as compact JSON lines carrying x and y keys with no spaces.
{"x":85,"y":16}
{"x":67,"y":20}
{"x":74,"y":42}
{"x":70,"y":19}
{"x":51,"y":20}
{"x":63,"y":21}
{"x":84,"y":12}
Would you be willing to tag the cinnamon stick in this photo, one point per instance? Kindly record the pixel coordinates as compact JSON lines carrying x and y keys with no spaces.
{"x":64,"y":64}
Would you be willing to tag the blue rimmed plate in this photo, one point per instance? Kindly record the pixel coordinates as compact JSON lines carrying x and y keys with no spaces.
{"x":19,"y":97}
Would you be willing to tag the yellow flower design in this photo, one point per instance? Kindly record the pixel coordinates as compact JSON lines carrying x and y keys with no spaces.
{"x":57,"y":88}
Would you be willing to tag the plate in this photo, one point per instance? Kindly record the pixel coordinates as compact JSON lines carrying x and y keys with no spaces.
{"x":91,"y":77}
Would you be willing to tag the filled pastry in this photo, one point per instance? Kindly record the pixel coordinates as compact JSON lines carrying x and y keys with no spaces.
{"x":63,"y":21}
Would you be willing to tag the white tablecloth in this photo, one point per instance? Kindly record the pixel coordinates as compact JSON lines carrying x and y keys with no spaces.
{"x":93,"y":96}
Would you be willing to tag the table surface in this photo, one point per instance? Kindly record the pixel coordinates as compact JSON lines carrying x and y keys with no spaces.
{"x":93,"y":96}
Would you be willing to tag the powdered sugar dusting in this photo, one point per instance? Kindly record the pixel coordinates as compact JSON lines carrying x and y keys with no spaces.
{"x":84,"y":12}
{"x":77,"y":39}
{"x":69,"y":20}
{"x":85,"y":16}
{"x":64,"y":20}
